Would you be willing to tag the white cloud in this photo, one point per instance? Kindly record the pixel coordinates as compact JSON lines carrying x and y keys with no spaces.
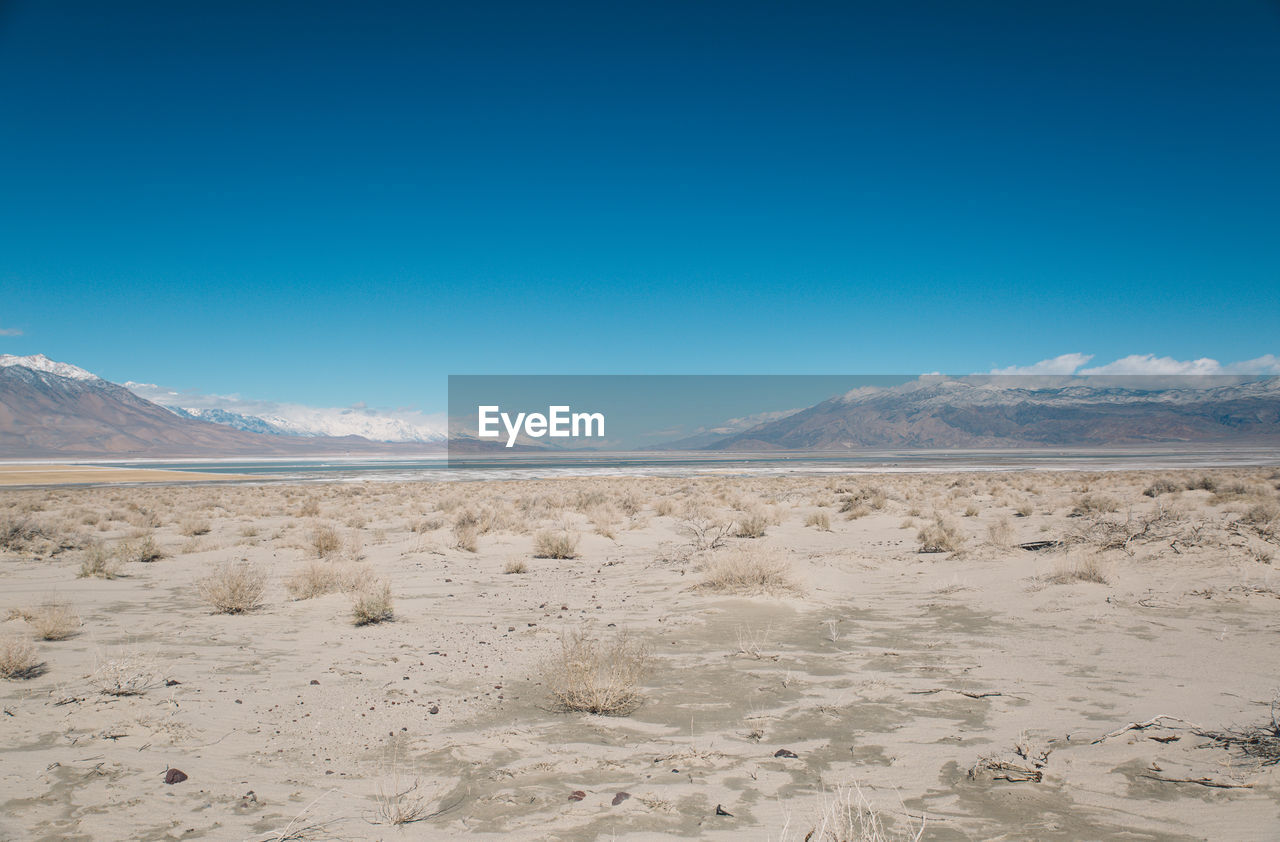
{"x":359,"y":420}
{"x":1063,"y":364}
{"x":1151,"y":364}
{"x":10,"y":331}
{"x":1145,"y":364}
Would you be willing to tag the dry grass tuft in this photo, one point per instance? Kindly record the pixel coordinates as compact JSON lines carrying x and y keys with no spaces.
{"x":315,"y":578}
{"x":130,"y":673}
{"x":325,"y":541}
{"x":752,"y":525}
{"x":233,"y":588}
{"x":1000,"y":533}
{"x":1087,"y":569}
{"x":747,"y":572}
{"x":819,"y":520}
{"x":515,"y":565}
{"x":941,"y":536}
{"x":99,"y":561}
{"x":595,"y":676}
{"x":555,"y":544}
{"x":18,"y":658}
{"x":372,"y":604}
{"x":54,"y":620}
{"x":847,"y":816}
{"x":143,"y":550}
{"x":193,"y":526}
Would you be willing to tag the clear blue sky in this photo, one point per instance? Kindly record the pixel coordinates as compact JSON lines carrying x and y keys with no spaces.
{"x":331,"y":203}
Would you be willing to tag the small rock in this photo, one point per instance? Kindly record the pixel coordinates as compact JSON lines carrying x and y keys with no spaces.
{"x":315,"y":681}
{"x":720,"y":811}
{"x":433,"y":710}
{"x":620,"y":797}
{"x":172,"y":682}
{"x":577,"y":795}
{"x":174,"y":776}
{"x":785,"y":752}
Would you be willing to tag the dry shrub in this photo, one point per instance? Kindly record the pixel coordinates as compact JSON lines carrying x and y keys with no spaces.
{"x":559,"y":543}
{"x":315,"y":578}
{"x":54,"y":620}
{"x":664,"y":507}
{"x":309,"y":508}
{"x":1163,"y":485}
{"x":752,"y":525}
{"x":820,"y":520}
{"x":1024,"y":510}
{"x":1000,"y":533}
{"x":941,"y":536}
{"x":193,"y":526}
{"x":427,"y":524}
{"x":596,"y":676}
{"x":99,"y":561}
{"x":1092,"y":504}
{"x":749,"y":571}
{"x":143,"y":550}
{"x":1261,"y":514}
{"x":1087,"y":569}
{"x":130,"y":673}
{"x":466,"y":537}
{"x":372,"y":604}
{"x":18,"y":658}
{"x":515,"y":565}
{"x":846,"y":816}
{"x":233,"y":588}
{"x":325,"y":541}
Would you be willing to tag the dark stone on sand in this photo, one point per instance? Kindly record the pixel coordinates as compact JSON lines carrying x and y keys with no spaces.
{"x":620,"y":797}
{"x":785,"y":752}
{"x":174,"y":776}
{"x":577,"y":795}
{"x":720,"y":811}
{"x":315,"y":681}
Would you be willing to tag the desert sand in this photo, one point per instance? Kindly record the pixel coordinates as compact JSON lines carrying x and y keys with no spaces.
{"x":29,"y":474}
{"x":851,"y":657}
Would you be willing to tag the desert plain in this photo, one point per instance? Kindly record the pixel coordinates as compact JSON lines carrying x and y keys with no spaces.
{"x":943,"y":656}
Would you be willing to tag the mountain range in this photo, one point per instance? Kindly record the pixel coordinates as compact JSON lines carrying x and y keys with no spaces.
{"x":53,"y":409}
{"x":1007,"y":411}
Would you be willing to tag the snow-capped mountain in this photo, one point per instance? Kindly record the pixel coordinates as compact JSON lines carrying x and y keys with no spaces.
{"x":39,"y":362}
{"x":298,"y":420}
{"x":48,"y":408}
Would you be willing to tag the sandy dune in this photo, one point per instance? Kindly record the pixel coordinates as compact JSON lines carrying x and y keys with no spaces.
{"x":981,"y":689}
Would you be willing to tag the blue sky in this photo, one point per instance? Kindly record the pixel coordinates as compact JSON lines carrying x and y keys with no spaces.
{"x":338,"y":203}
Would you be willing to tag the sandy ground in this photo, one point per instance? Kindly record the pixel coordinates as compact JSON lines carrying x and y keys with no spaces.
{"x":983,"y":689}
{"x":33,"y":474}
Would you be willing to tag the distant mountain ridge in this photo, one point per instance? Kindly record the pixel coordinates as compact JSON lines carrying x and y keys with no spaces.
{"x":52,"y":409}
{"x":992,"y":412}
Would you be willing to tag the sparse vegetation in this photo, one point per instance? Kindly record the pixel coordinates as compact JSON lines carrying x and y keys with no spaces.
{"x":1086,"y":569}
{"x":130,"y":673}
{"x":515,"y":565}
{"x":555,"y":544}
{"x":54,"y":620}
{"x":747,"y":572}
{"x":594,"y":676}
{"x":99,"y":561}
{"x":940,"y":536}
{"x":372,"y":604}
{"x":233,"y":588}
{"x":819,"y":520}
{"x":18,"y":658}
